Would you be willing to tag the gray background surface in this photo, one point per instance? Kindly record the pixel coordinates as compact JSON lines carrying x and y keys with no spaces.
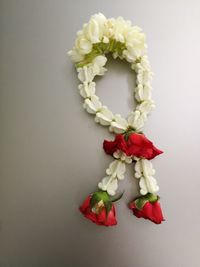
{"x":51,"y":149}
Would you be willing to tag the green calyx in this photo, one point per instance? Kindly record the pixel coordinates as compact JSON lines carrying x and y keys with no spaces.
{"x":129,"y":131}
{"x":152,"y":197}
{"x":98,"y":196}
{"x":100,"y":199}
{"x":101,"y":49}
{"x":141,"y":201}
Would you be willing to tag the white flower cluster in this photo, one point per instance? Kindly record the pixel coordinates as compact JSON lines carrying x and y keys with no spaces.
{"x":117,"y":36}
{"x":114,"y":173}
{"x":144,"y":171}
{"x":100,"y":29}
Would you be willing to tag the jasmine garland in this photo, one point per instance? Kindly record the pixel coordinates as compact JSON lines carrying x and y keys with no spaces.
{"x":99,"y":37}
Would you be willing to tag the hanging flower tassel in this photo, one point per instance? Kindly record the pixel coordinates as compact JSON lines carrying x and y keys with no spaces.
{"x":126,"y":148}
{"x":99,"y":208}
{"x":141,"y":150}
{"x":147,"y":207}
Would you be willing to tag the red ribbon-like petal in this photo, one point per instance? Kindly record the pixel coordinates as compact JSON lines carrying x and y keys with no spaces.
{"x":136,"y":145}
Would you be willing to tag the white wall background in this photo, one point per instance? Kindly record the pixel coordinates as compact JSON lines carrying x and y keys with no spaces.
{"x":51,"y":150}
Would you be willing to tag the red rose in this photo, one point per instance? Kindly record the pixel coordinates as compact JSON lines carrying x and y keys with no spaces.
{"x":99,"y":209}
{"x":146,"y":208}
{"x":111,"y":146}
{"x":141,"y":147}
{"x":135,"y":145}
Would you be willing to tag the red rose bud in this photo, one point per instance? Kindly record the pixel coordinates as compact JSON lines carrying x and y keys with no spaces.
{"x":147,"y":207}
{"x":99,"y":209}
{"x":132,"y":144}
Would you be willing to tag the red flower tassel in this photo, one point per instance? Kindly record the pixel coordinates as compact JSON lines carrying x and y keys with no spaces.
{"x":147,"y":207}
{"x":99,"y":209}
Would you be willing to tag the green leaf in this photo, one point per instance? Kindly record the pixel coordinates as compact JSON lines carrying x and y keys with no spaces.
{"x":108,"y":206}
{"x":94,"y":200}
{"x":140,"y":202}
{"x":152,"y":197}
{"x":98,"y":196}
{"x":103,"y":195}
{"x":129,"y":131}
{"x":117,"y":197}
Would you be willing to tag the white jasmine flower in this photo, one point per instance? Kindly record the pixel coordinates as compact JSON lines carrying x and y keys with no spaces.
{"x":87,"y":89}
{"x":109,"y":29}
{"x":92,"y":105}
{"x":135,"y":44}
{"x":105,"y":40}
{"x":144,"y":171}
{"x":143,"y":92}
{"x":114,"y":172}
{"x":137,"y":119}
{"x":95,"y":28}
{"x":104,"y":116}
{"x":143,"y":76}
{"x":87,"y":73}
{"x":145,"y":62}
{"x":122,"y":156}
{"x":75,"y":55}
{"x":117,"y":169}
{"x":118,"y":125}
{"x":131,"y":54}
{"x":135,"y":38}
{"x":120,"y":29}
{"x":83,"y":45}
{"x":109,"y":184}
{"x":100,"y":61}
{"x":146,"y":106}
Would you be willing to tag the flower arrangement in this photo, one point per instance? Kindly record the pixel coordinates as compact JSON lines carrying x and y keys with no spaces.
{"x":99,"y":37}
